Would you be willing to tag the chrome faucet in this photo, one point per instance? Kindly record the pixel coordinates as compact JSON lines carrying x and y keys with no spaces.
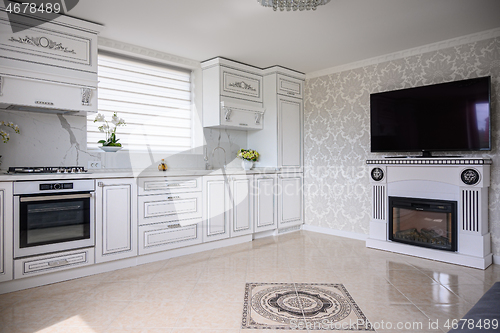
{"x":225,"y":160}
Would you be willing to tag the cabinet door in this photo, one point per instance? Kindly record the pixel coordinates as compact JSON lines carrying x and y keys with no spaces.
{"x":6,"y":225}
{"x":216,"y":208}
{"x":242,"y":205}
{"x":290,"y":86}
{"x":290,"y":136}
{"x":290,"y":203}
{"x":240,"y":84}
{"x":265,"y":202}
{"x":116,"y":219}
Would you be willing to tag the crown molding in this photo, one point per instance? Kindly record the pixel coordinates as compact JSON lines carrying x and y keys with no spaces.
{"x":145,"y":53}
{"x":409,"y":52}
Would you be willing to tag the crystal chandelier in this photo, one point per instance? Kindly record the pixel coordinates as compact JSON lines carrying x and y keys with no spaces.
{"x":293,"y":4}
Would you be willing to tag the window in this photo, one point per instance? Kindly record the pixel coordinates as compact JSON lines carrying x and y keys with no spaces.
{"x":153,"y":99}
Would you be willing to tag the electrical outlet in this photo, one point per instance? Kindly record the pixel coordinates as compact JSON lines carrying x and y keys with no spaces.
{"x":94,"y":165}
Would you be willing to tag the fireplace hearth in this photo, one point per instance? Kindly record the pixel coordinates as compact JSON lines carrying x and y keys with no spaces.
{"x":423,"y":222}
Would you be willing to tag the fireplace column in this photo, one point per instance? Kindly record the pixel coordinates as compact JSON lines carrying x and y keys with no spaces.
{"x":461,"y":180}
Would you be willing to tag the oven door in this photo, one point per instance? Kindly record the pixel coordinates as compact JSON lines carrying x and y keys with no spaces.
{"x":52,"y":223}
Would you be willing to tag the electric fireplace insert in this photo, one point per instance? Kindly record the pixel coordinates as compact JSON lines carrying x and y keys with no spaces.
{"x":423,"y":222}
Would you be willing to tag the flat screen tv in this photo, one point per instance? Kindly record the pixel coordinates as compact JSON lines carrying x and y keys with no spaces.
{"x":453,"y":116}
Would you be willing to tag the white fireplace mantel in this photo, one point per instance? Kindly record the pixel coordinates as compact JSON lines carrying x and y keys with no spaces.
{"x":464,"y":180}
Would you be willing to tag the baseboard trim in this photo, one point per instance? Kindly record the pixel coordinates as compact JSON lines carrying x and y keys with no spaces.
{"x":334,"y":232}
{"x":496,"y":260}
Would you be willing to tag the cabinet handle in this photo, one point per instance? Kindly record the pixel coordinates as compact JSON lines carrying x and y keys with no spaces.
{"x":176,"y":184}
{"x":290,"y":93}
{"x":241,"y":124}
{"x":172,"y":198}
{"x":228,"y":114}
{"x":174,"y":226}
{"x":44,"y":103}
{"x":257,"y":118}
{"x":100,"y":184}
{"x":56,"y":263}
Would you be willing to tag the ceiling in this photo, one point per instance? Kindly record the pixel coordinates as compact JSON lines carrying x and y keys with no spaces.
{"x":338,"y":33}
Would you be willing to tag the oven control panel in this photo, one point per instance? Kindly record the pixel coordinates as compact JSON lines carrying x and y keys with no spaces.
{"x":56,"y":186}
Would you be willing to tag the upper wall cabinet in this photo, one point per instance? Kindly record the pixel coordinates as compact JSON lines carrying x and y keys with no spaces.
{"x":280,"y":143}
{"x":232,"y":95}
{"x":290,"y":86}
{"x":53,"y":63}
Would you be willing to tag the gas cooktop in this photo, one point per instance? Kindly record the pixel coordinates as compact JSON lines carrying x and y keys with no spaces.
{"x":39,"y":170}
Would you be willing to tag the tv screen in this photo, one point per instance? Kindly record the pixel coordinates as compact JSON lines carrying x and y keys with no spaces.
{"x":453,"y":116}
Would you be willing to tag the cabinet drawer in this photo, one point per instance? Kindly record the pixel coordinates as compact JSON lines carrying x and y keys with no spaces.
{"x":240,"y":84}
{"x":240,"y":119}
{"x":48,"y":45}
{"x":52,"y":263}
{"x":68,"y":98}
{"x":160,"y":185}
{"x":290,"y":86}
{"x":167,"y":236}
{"x":167,"y":208}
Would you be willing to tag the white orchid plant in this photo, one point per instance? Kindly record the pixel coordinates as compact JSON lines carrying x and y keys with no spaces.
{"x":110,"y":131}
{"x":5,"y":136}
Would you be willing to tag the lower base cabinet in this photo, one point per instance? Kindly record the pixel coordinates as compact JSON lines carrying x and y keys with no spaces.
{"x":290,"y":200}
{"x":6,"y":232}
{"x":265,"y":202}
{"x":54,"y":262}
{"x":216,"y":203}
{"x":241,"y":205}
{"x":166,"y":236}
{"x":116,"y":219}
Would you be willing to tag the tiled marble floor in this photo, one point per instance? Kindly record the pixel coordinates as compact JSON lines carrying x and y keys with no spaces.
{"x":205,"y":292}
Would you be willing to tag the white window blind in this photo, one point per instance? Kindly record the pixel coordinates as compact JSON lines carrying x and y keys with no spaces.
{"x":154,"y":100}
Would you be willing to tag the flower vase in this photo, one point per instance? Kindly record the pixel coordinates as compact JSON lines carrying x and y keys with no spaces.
{"x":246,"y":164}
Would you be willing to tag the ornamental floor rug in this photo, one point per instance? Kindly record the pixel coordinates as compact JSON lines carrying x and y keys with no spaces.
{"x":301,"y":306}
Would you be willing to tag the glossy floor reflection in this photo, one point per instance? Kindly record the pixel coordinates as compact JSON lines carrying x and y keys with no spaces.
{"x":204,"y":292}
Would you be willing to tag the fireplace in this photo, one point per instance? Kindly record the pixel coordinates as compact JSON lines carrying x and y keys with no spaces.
{"x":423,"y":222}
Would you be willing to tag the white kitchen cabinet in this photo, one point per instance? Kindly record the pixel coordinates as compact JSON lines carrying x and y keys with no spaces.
{"x":6,"y":232}
{"x":169,"y":207}
{"x":232,"y":95}
{"x":280,"y":142}
{"x":227,"y":206}
{"x":265,"y":202}
{"x":116,"y":219}
{"x":166,"y":236}
{"x":290,"y":133}
{"x":216,"y":208}
{"x":290,"y":200}
{"x":241,"y":218}
{"x":43,"y":57}
{"x":290,"y":86}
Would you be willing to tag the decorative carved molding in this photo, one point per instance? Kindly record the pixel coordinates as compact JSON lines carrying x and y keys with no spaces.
{"x":86,"y":96}
{"x":432,"y":161}
{"x":377,"y":174}
{"x":470,"y":176}
{"x":124,"y":48}
{"x":44,"y":42}
{"x":409,"y":52}
{"x":242,"y":85}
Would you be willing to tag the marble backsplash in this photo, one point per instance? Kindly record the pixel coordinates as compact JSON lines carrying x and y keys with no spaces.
{"x":61,"y":140}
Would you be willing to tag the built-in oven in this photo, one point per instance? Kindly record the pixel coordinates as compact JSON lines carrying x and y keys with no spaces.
{"x":52,"y":216}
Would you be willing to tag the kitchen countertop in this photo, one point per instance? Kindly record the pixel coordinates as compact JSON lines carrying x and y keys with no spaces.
{"x":128,"y":173}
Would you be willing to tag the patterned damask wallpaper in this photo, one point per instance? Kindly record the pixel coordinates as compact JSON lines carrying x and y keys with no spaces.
{"x":337,"y":125}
